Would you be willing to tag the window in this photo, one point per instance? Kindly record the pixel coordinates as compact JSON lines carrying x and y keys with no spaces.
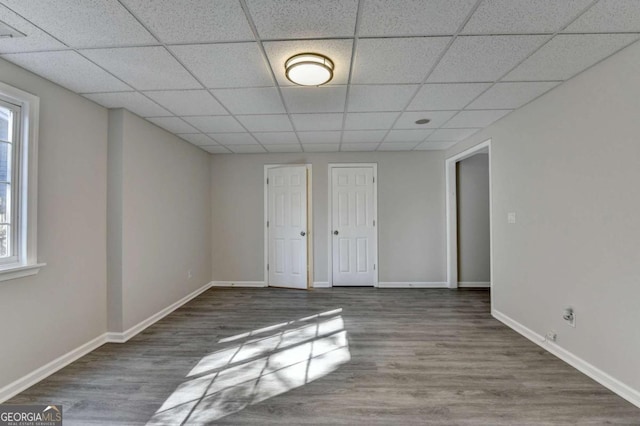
{"x":18,"y":179}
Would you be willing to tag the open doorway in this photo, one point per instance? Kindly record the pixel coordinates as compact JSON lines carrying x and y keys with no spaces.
{"x":469,"y":230}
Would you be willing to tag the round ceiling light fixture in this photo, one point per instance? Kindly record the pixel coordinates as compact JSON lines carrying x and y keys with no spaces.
{"x":309,"y":69}
{"x":423,"y":121}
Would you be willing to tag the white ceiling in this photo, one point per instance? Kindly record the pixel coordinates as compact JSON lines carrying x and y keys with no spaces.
{"x":212,"y":71}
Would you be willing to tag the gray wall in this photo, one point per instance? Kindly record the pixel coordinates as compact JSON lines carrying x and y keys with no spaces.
{"x":473,"y":219}
{"x":165,"y":219}
{"x":568,"y":164}
{"x":411,"y":214}
{"x":45,"y":316}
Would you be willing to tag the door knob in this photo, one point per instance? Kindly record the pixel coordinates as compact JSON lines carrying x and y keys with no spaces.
{"x":335,"y":232}
{"x":302,"y":233}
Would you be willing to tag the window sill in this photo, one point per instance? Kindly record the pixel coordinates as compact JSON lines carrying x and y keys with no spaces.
{"x":11,"y":272}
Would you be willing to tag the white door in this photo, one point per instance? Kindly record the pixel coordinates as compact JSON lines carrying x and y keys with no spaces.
{"x":287,"y":226}
{"x":354,"y":244}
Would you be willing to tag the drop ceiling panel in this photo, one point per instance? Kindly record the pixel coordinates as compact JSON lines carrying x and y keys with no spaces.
{"x":216,"y":149}
{"x":292,"y":19}
{"x":568,"y":54}
{"x":321,"y":147}
{"x":188,"y":102}
{"x":446,"y":96}
{"x":34,"y":39}
{"x":466,"y":119}
{"x":523,"y":16}
{"x":208,"y":20}
{"x":215,"y":124}
{"x":484,"y":58}
{"x":197,"y":138}
{"x":408,"y":135}
{"x":276,"y":138}
{"x":380,"y":97}
{"x":397,"y":146}
{"x":609,"y":16}
{"x":144,"y":68}
{"x":446,"y":135}
{"x":317,"y":138}
{"x":133,"y":101}
{"x":305,"y":122}
{"x":361,"y":147}
{"x":284,"y":148}
{"x":247,"y":149}
{"x":173,"y":124}
{"x":434,"y":146}
{"x":511,"y":95}
{"x":233,"y":138}
{"x":262,"y":100}
{"x":68,"y":69}
{"x":370,"y":120}
{"x":226,"y":64}
{"x":266,"y":123}
{"x":363,"y":136}
{"x":314,"y":99}
{"x":339,"y":51}
{"x":413,"y":17}
{"x":86,"y":23}
{"x":396,"y":60}
{"x":407,"y":120}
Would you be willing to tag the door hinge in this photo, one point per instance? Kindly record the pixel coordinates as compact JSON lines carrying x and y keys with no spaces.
{"x":374,"y":180}
{"x":374,"y":266}
{"x":267,"y":181}
{"x":267,"y":224}
{"x":267,"y":266}
{"x":374,"y":223}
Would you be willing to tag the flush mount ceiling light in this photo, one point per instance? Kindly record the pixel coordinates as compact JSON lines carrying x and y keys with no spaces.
{"x":309,"y":69}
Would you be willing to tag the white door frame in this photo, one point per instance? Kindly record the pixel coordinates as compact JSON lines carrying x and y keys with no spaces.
{"x":452,"y":211}
{"x":330,"y":216}
{"x":309,"y":222}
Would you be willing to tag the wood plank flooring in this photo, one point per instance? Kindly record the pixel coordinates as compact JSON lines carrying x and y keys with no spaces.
{"x":351,"y":356}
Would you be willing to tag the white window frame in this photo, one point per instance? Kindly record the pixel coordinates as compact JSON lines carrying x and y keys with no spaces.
{"x":26,"y":177}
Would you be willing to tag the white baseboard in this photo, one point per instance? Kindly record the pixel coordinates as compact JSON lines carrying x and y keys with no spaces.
{"x":238,"y":284}
{"x":412,"y":284}
{"x":613,"y":384}
{"x":474,"y":284}
{"x":117,"y":337}
{"x":46,"y":370}
{"x":321,"y":284}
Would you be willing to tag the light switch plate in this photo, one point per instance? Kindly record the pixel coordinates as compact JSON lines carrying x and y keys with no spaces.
{"x":511,"y":217}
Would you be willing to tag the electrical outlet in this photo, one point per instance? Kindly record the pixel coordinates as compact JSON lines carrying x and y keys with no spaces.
{"x":189,"y":274}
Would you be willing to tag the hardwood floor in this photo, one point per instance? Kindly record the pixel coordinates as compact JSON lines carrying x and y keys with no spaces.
{"x":372,"y":356}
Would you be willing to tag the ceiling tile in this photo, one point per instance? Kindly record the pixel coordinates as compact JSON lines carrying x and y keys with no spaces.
{"x":523,"y":16}
{"x":397,"y":146}
{"x":434,"y":146}
{"x":484,"y":58}
{"x":568,"y":54}
{"x":408,"y":119}
{"x":233,"y":138}
{"x":266,"y":123}
{"x":321,"y":147}
{"x":276,"y":138}
{"x":339,"y":51}
{"x":292,"y":19}
{"x":608,"y":16}
{"x":133,"y":101}
{"x":446,"y":96}
{"x":172,"y":124}
{"x":197,"y":138}
{"x":363,"y":136}
{"x":466,"y":119}
{"x":216,"y":149}
{"x":263,"y":100}
{"x":314,"y":99}
{"x":187,"y":102}
{"x":87,"y":23}
{"x":70,"y":70}
{"x":370,"y":120}
{"x":511,"y":95}
{"x":392,"y":97}
{"x":415,"y":136}
{"x":247,"y":149}
{"x":362,"y":147}
{"x":208,"y":20}
{"x":446,"y":135}
{"x":284,"y":148}
{"x":215,"y":124}
{"x":304,"y":122}
{"x":413,"y":17}
{"x":396,"y":60}
{"x":226,"y":64}
{"x":317,"y":138}
{"x":35,"y":39}
{"x":145,"y":68}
